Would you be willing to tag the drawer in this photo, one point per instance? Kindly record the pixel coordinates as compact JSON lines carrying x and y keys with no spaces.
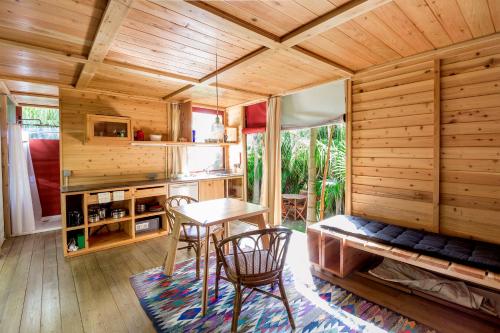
{"x":150,"y":191}
{"x":93,"y":200}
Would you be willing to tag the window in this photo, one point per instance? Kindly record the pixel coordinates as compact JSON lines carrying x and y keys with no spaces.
{"x":40,"y":123}
{"x":202,"y":121}
{"x":204,"y":158}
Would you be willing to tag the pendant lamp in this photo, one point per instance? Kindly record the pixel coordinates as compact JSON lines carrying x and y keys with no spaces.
{"x":217,"y":126}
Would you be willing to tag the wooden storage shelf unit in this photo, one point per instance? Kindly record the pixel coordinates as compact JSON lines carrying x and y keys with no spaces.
{"x":112,"y":232}
{"x":234,"y":188}
{"x":108,"y":129}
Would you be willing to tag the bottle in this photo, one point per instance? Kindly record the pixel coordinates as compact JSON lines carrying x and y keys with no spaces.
{"x":194,"y":135}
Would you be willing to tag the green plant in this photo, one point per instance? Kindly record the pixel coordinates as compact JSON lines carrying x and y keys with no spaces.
{"x":45,"y":115}
{"x":294,"y":164}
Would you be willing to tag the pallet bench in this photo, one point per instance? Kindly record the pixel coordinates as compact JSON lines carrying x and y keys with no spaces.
{"x":340,"y":254}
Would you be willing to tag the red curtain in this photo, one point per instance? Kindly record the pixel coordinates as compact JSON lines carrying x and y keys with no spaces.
{"x":45,"y":157}
{"x":255,"y":118}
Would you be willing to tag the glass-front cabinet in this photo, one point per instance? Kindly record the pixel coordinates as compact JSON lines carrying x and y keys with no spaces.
{"x":108,"y":129}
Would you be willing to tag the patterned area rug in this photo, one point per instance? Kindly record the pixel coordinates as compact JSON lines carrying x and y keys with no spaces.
{"x":173,"y":304}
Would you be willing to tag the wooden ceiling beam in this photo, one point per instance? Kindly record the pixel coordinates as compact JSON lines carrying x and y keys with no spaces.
{"x":330,"y":20}
{"x":4,"y":90}
{"x":177,"y":92}
{"x":40,"y":105}
{"x":31,"y":94}
{"x":244,"y":91}
{"x":248,"y":59}
{"x":112,"y":18}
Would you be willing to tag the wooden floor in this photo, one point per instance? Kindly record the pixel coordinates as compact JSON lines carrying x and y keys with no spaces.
{"x":40,"y":291}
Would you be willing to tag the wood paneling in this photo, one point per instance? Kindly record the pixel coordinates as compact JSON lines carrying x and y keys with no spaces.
{"x":430,"y":135}
{"x":392,"y":170}
{"x":100,"y":163}
{"x":471,"y":148}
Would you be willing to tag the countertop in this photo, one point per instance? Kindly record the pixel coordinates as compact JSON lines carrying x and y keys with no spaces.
{"x":193,"y":178}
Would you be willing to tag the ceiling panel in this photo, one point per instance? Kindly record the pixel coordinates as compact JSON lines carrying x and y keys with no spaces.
{"x":67,"y":26}
{"x":25,"y":64}
{"x":278,"y":72}
{"x":403,"y":28}
{"x":170,"y":38}
{"x":133,"y":84}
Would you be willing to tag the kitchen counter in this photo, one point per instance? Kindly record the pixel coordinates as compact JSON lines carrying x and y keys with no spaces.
{"x":193,"y":178}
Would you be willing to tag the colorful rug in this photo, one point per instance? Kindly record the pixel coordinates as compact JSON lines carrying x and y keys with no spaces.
{"x":173,"y":305}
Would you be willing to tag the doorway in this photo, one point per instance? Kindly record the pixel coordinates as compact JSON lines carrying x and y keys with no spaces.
{"x":41,"y":131}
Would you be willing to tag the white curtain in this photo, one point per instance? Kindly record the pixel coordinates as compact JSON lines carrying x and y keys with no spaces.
{"x":21,"y":204}
{"x":176,"y":155}
{"x":271,"y":162}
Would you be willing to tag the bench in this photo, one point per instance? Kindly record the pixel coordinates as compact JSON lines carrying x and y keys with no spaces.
{"x":337,"y":246}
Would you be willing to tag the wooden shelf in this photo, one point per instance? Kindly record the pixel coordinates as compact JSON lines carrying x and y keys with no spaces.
{"x":76,"y":228}
{"x":151,"y":234}
{"x":174,"y":143}
{"x":108,"y":239}
{"x":77,"y":253}
{"x":109,"y":220}
{"x":150,"y":214}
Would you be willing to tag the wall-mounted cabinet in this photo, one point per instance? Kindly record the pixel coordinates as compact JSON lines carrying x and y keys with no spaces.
{"x":108,"y":129}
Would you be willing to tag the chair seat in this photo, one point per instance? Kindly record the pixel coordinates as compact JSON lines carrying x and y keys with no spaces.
{"x":249,"y":263}
{"x":191,"y":232}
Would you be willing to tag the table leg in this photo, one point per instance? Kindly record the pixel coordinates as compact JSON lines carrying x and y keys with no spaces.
{"x":172,"y":242}
{"x":204,"y":291}
{"x":227,"y":232}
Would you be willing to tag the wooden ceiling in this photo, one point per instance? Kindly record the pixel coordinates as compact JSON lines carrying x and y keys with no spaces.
{"x":166,"y":50}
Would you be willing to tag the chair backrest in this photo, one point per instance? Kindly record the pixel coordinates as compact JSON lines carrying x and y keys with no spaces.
{"x":250,"y":258}
{"x":176,"y":201}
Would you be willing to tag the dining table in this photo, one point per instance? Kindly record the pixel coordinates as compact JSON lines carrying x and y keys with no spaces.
{"x":211,"y":214}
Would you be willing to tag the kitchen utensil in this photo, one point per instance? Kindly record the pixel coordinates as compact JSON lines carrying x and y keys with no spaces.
{"x":118,"y":213}
{"x":93,"y":217}
{"x":103,"y":212}
{"x":139,"y":135}
{"x":140,"y":208}
{"x":75,"y":218}
{"x":155,"y":137}
{"x":155,"y":208}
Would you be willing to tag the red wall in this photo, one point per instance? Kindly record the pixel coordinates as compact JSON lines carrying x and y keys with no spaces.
{"x":45,"y":156}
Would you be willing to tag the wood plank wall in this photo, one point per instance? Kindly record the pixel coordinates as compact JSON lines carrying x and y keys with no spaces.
{"x":94,"y":163}
{"x":470,"y":153}
{"x":403,"y":120}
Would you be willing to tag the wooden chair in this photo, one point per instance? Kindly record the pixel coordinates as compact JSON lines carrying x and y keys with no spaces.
{"x":191,"y":233}
{"x":249,"y":265}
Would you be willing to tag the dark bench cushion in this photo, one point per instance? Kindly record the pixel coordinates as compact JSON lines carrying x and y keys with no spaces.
{"x":465,"y":251}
